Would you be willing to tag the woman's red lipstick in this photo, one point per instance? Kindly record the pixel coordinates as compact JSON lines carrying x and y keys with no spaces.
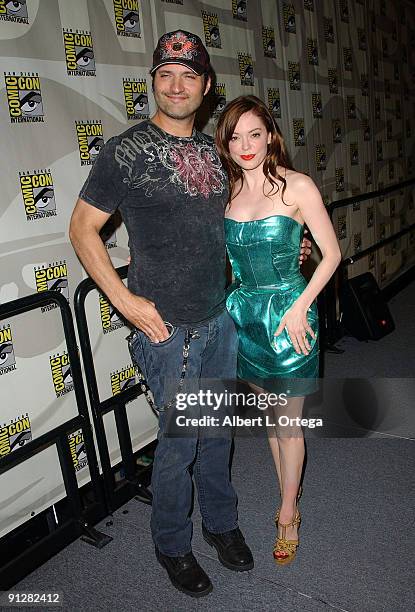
{"x":247,"y":157}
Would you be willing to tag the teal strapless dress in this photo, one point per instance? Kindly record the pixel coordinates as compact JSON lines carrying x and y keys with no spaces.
{"x":264,"y":257}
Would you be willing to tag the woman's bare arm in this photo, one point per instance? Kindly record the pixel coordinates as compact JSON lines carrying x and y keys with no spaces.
{"x":307,"y":197}
{"x":314,"y":213}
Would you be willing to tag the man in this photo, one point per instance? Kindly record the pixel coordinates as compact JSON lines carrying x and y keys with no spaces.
{"x":169,"y":184}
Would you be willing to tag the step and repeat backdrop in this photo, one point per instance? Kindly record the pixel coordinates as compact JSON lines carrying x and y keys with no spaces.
{"x":339,"y":78}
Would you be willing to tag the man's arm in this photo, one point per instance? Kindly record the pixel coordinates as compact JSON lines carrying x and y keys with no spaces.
{"x":86,"y":223}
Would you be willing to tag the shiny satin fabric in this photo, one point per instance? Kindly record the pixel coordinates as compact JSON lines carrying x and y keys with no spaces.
{"x":264,"y":257}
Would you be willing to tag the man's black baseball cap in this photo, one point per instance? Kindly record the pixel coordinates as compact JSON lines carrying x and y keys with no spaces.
{"x":181,"y":47}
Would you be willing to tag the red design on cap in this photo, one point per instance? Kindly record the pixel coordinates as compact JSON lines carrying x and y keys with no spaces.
{"x":179,"y":46}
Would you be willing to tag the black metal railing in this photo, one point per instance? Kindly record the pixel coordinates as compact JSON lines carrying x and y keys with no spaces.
{"x":332,"y":289}
{"x":77,"y":523}
{"x":120,"y":492}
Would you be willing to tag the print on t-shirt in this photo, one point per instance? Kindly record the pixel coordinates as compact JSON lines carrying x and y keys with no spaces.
{"x":189,"y":164}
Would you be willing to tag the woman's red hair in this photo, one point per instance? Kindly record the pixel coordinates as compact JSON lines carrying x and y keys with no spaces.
{"x":277,"y":154}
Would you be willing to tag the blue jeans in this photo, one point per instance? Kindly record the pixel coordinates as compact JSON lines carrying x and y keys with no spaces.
{"x":212,"y":355}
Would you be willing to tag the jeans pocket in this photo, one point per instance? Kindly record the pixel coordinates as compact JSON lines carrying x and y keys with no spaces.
{"x":172,"y":336}
{"x":136,"y":349}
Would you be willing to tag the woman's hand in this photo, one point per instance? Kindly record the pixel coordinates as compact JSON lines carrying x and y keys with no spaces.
{"x":297,"y":326}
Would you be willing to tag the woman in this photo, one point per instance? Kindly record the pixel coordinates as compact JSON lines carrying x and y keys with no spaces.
{"x":273,"y":307}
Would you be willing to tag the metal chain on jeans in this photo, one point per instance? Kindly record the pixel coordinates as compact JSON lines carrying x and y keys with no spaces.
{"x":190,"y":333}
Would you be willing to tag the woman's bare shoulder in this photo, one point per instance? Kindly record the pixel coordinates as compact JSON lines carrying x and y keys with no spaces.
{"x":297,"y":179}
{"x":299,"y":184}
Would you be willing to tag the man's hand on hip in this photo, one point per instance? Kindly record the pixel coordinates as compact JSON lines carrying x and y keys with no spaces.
{"x":143,"y":314}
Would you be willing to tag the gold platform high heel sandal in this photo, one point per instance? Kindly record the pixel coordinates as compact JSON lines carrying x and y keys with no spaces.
{"x":285,"y":550}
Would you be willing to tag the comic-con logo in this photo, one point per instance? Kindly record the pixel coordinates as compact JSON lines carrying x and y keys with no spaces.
{"x":357,"y":242}
{"x":136,"y":98}
{"x":38,"y":194}
{"x":219,"y":99}
{"x":127,"y":18}
{"x":396,"y":71}
{"x":7,"y":357}
{"x":354,"y":154}
{"x":347,"y":59}
{"x":392,"y":206}
{"x":362,"y":39}
{"x":317,"y":104}
{"x":395,"y":246}
{"x":366,"y":130}
{"x":369,"y":217}
{"x":240,"y":10}
{"x":52,"y":277}
{"x":377,"y":108}
{"x":246,"y":68}
{"x":364,"y":84}
{"x":123,"y":379}
{"x":90,"y":140}
{"x":379,"y":150}
{"x":339,"y":179}
{"x":211,"y":30}
{"x":24,"y":97}
{"x":268,"y":42}
{"x":368,"y":174}
{"x":385,"y":47}
{"x":61,"y":374}
{"x":79,"y":53}
{"x":351,"y":107}
{"x":274,"y":102}
{"x":333,"y":81}
{"x":337,"y":130}
{"x":375,"y":65}
{"x":321,"y":157}
{"x":294,"y":75}
{"x":110,"y":318}
{"x":289,"y":18}
{"x":77,"y":448}
{"x":328,"y":29}
{"x":344,"y":10}
{"x":299,"y":132}
{"x":341,"y":227}
{"x":312,"y":51}
{"x":15,"y":434}
{"x":13,"y":10}
{"x":398,"y":113}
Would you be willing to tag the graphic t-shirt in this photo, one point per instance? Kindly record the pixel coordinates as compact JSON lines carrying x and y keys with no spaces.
{"x":171,"y":193}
